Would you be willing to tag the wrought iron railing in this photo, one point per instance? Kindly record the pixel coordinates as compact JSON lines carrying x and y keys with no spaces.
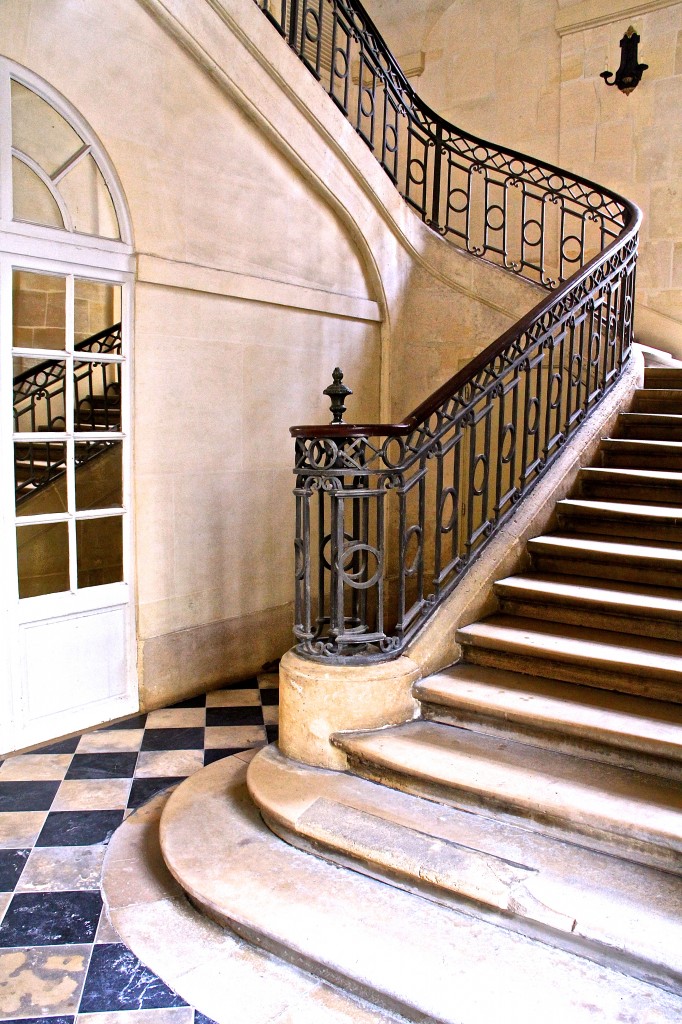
{"x":40,"y":396}
{"x":389,"y":516}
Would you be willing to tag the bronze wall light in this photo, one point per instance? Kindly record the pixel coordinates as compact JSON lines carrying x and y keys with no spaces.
{"x":630,"y":71}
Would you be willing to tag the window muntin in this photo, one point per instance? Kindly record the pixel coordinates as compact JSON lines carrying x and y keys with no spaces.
{"x":56,"y":179}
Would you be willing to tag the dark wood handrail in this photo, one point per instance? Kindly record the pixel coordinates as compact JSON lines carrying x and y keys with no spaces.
{"x":431,"y":404}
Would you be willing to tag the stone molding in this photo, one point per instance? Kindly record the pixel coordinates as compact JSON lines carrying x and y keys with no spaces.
{"x":592,"y":13}
{"x":194,"y":277}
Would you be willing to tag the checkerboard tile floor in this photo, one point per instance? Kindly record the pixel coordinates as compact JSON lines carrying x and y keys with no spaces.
{"x":61,"y":962}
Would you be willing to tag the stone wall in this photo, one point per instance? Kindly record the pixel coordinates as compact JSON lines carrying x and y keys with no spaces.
{"x":270,"y":247}
{"x":525,"y":73}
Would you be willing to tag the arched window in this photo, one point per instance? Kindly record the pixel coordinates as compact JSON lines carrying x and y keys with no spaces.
{"x":66,"y":276}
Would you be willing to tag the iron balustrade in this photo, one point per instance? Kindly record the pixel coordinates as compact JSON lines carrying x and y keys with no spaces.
{"x":40,"y":397}
{"x":389,"y":516}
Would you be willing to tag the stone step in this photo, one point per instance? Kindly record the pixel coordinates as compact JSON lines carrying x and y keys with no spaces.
{"x":584,"y":601}
{"x":621,"y":519}
{"x":663,"y":377}
{"x":660,"y":455}
{"x":561,"y":893}
{"x":662,"y":487}
{"x":650,"y":426}
{"x":423,"y":958}
{"x":631,"y":732}
{"x":631,"y":814}
{"x":643,"y":666}
{"x":658,"y":399}
{"x":582,"y":555}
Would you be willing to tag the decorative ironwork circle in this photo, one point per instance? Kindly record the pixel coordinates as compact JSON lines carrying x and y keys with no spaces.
{"x":413,"y":531}
{"x":418,"y":179}
{"x":351,"y":578}
{"x":508,"y":443}
{"x":366,"y":94}
{"x":464,"y":200}
{"x":479,"y":474}
{"x":451,"y":493}
{"x":494,"y":218}
{"x":532,"y":232}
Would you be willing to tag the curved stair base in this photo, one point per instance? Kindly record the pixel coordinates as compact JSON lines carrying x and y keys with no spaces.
{"x":413,"y":956}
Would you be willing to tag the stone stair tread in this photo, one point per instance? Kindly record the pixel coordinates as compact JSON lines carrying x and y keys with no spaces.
{"x":617,"y":473}
{"x":531,"y":781}
{"x":635,"y":722}
{"x":657,"y":417}
{"x":636,"y":444}
{"x":599,"y":546}
{"x":664,"y":602}
{"x":631,"y":655}
{"x":639,"y":911}
{"x":620,"y":509}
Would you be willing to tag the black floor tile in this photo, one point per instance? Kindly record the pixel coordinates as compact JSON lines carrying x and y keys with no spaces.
{"x":191,"y":702}
{"x":50,"y":918}
{"x":269,"y":697}
{"x":217,"y":754}
{"x":117,"y":980}
{"x":144,"y":789}
{"x":201,"y":1018}
{"x":79,"y":828}
{"x":11,"y":865}
{"x":272,"y":732}
{"x":134,"y":722}
{"x":60,"y":747}
{"x":119,"y":765}
{"x":27,"y":796}
{"x":234,"y":716}
{"x":173,"y":739}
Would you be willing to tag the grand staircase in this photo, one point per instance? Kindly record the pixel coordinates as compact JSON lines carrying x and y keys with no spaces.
{"x":542,"y":782}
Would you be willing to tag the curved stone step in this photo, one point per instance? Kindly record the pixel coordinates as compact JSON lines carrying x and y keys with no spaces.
{"x":650,"y":426}
{"x":643,"y":666}
{"x":563,"y":894}
{"x":583,"y":555}
{"x":635,"y":816}
{"x":421,"y":959}
{"x":631,"y":732}
{"x":660,"y":399}
{"x":651,"y":522}
{"x":607,"y":483}
{"x":663,"y":377}
{"x":621,"y":607}
{"x":634,"y":453}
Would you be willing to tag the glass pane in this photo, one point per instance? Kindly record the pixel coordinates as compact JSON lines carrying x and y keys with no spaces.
{"x":97,"y":309}
{"x":97,"y":396}
{"x":43,"y":559}
{"x":38,"y":310}
{"x":40,"y":132}
{"x":99,"y":478}
{"x":39,"y":395}
{"x":40,"y":477}
{"x":88,"y":200}
{"x":99,"y":543}
{"x":32,"y":200}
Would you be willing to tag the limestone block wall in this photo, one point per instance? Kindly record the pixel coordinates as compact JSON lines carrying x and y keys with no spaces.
{"x":270,"y":248}
{"x":526,"y":73}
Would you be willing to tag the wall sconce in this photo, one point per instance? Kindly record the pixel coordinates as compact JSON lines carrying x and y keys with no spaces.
{"x":630,"y":71}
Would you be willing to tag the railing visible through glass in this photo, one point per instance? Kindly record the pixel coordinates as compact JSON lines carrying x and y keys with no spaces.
{"x":389,"y":516}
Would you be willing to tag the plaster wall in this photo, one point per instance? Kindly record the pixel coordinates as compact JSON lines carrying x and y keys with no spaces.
{"x":270,"y":248}
{"x":525,"y":74}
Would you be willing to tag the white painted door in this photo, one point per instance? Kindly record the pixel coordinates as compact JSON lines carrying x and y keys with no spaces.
{"x":66,"y":611}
